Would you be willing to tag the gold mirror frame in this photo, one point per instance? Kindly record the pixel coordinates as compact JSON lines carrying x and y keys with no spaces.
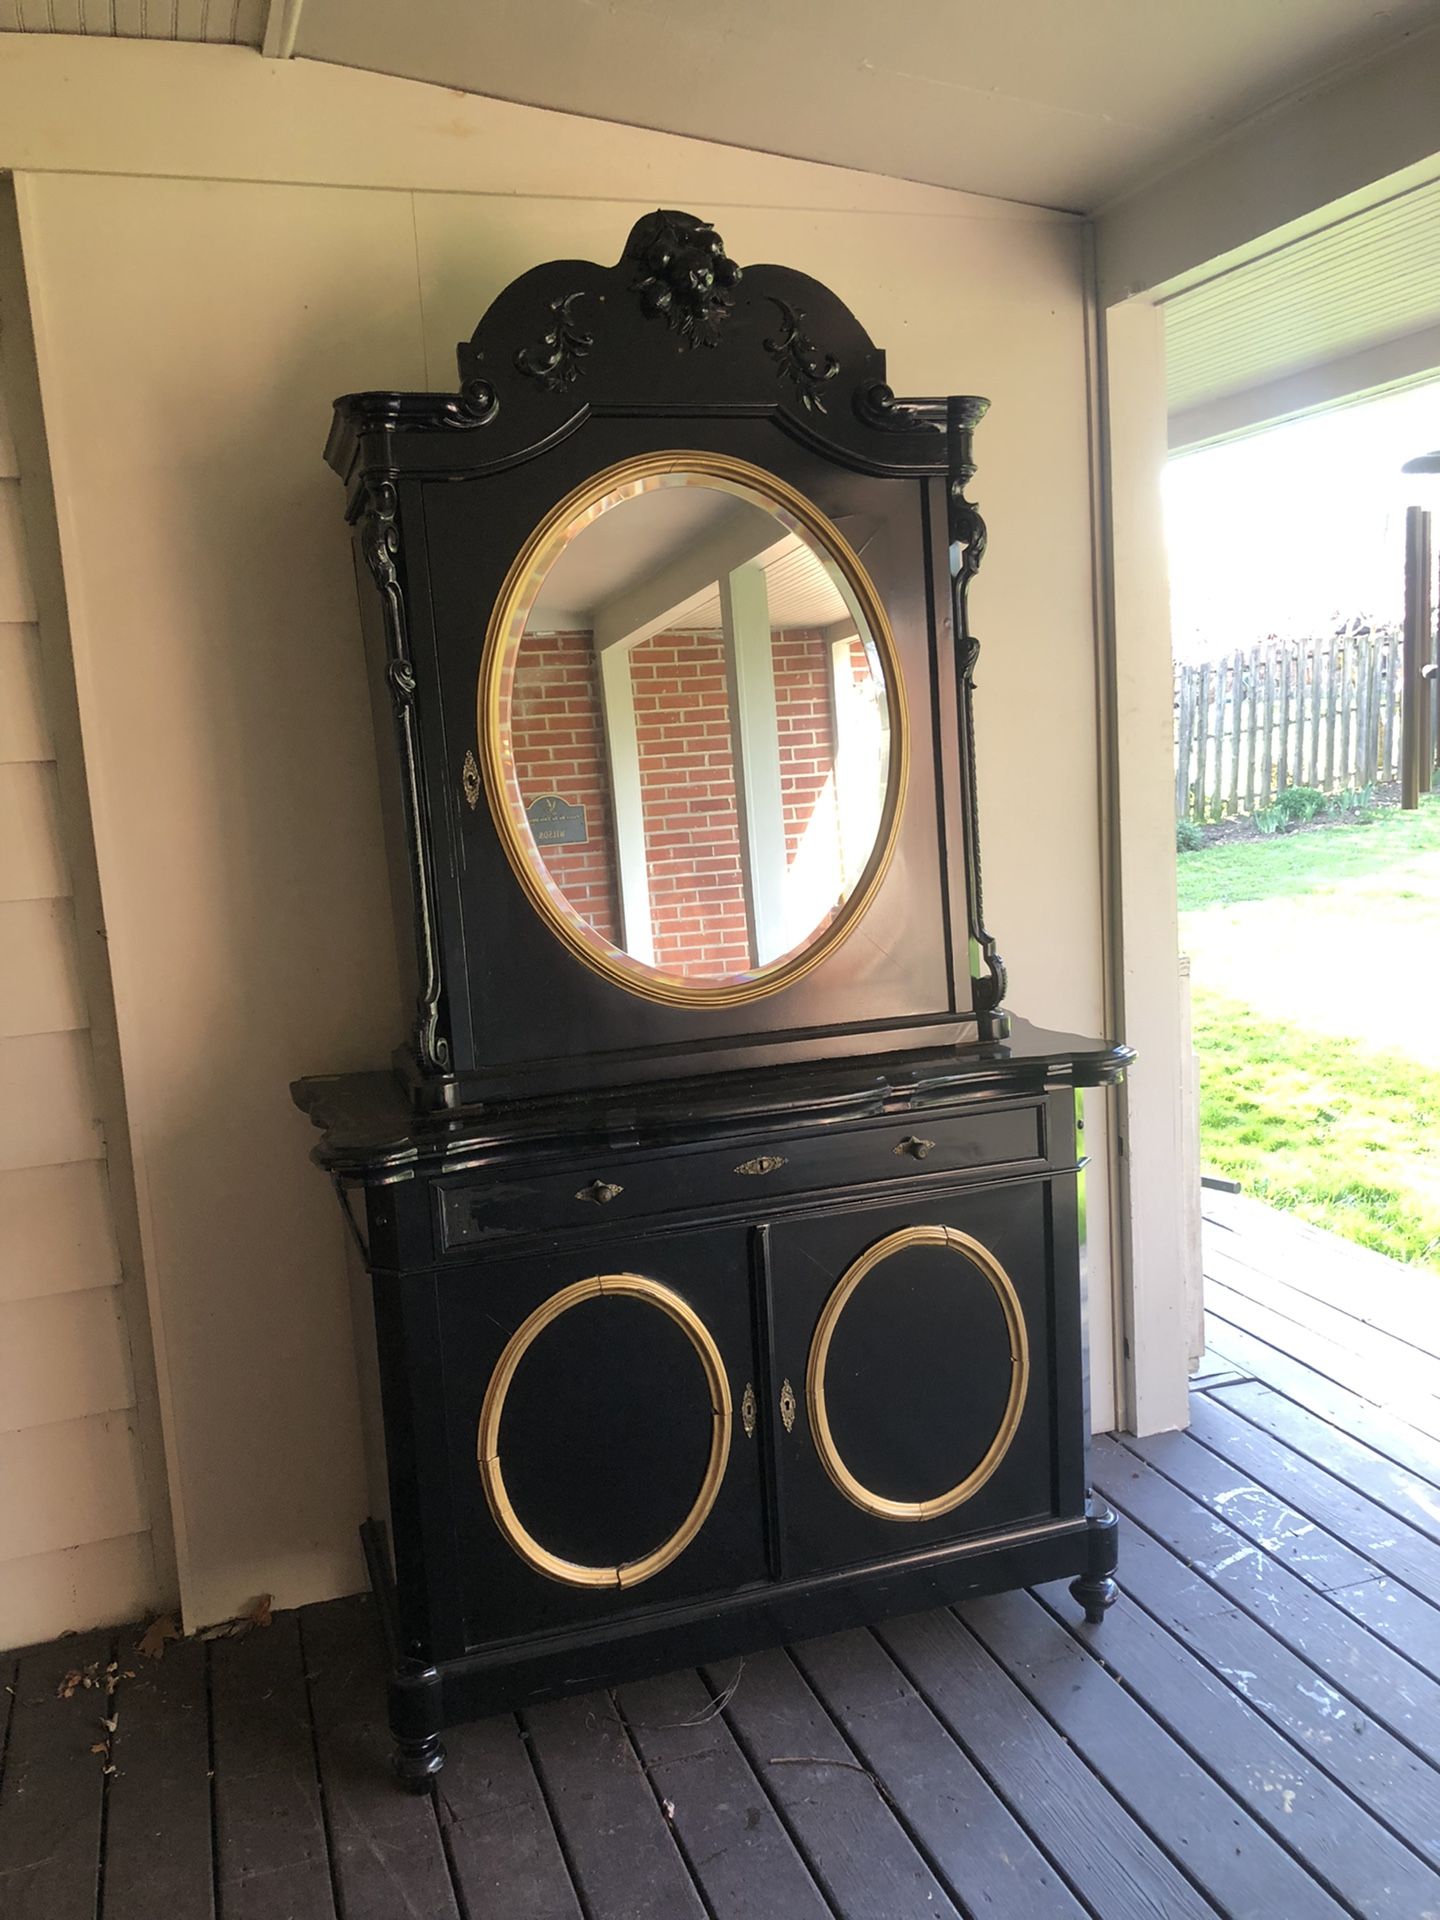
{"x":631,"y":1573}
{"x":601,"y":956}
{"x":853,"y":1489}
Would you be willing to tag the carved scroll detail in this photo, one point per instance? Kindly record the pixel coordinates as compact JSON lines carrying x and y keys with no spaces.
{"x":798,"y":359}
{"x":554,"y":363}
{"x":967,"y":550}
{"x":380,"y":543}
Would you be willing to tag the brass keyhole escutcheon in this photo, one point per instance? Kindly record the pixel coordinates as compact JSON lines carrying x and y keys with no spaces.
{"x":600,"y":1191}
{"x":914,"y":1146}
{"x":787,"y":1406}
{"x":747,"y":1411}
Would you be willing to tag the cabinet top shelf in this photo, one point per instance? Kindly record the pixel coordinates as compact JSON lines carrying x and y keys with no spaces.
{"x":370,"y":1131}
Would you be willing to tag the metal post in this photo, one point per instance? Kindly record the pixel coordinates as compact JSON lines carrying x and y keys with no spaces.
{"x":1417,"y":740}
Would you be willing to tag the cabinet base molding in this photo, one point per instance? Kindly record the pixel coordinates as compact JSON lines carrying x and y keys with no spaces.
{"x":424,"y":1699}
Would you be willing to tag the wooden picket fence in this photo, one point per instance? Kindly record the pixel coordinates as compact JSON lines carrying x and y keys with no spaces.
{"x":1299,"y":713}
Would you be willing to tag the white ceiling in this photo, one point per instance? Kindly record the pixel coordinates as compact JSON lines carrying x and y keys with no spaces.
{"x":1064,"y":103}
{"x":1368,"y":279}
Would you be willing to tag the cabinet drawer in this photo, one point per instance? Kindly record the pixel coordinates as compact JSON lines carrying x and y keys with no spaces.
{"x":748,"y":1172}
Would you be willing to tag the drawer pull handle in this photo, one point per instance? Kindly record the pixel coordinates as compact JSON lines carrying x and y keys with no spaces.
{"x":787,"y":1406}
{"x":747,"y":1411}
{"x":915,"y":1146}
{"x":765,"y":1163}
{"x":599,"y":1191}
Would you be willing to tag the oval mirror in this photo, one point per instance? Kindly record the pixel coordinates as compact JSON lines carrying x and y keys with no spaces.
{"x":692,"y":728}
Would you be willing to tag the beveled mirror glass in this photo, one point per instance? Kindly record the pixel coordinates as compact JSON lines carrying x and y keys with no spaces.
{"x":692,"y":728}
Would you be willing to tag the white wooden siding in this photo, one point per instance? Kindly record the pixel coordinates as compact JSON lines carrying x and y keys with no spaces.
{"x":75,"y":1545}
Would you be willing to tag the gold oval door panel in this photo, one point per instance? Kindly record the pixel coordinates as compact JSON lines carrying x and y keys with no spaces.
{"x":630,"y":1573}
{"x":975,"y":1258}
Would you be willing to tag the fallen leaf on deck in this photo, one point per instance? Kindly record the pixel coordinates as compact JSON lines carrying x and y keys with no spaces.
{"x":152,"y":1641}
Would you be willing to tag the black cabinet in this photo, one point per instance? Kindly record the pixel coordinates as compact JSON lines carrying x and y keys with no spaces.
{"x":722,"y":1225}
{"x":600,"y":1426}
{"x":916,"y":1345}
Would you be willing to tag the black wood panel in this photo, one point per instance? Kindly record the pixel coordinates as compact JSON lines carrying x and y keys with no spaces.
{"x":918,"y":1373}
{"x":1229,"y":1856}
{"x":385,"y":1849}
{"x":1379,"y":1680}
{"x":272,"y":1858}
{"x":857,"y":1848}
{"x":1110,"y":1861}
{"x":607,"y":1430}
{"x":531,"y":1195}
{"x":503,"y":1848}
{"x":989,"y":1863}
{"x":1361,"y":1864}
{"x":158,"y":1841}
{"x":743,"y":1860}
{"x":619,"y":1844}
{"x":53,"y":1790}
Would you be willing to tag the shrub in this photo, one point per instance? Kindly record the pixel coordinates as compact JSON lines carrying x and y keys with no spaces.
{"x":1189,"y":838}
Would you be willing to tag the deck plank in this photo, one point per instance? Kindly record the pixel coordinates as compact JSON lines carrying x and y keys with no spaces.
{"x":622,"y":1853}
{"x":1110,"y":1861}
{"x":986,"y":1858}
{"x":159,"y":1845}
{"x":1363,"y":1867}
{"x":1374,"y":1675}
{"x":1242,"y":1868}
{"x":272,"y":1858}
{"x":1365,"y":1285}
{"x":385,"y":1849}
{"x":1402,"y":1619}
{"x":854,"y":1844}
{"x":1337,"y":1406}
{"x":1388,"y":1543}
{"x":1377,"y":1770}
{"x":1327,"y":1357}
{"x":1383,"y":1354}
{"x":1410,"y":1499}
{"x":502,"y":1845}
{"x":53,"y":1791}
{"x":745,"y":1862}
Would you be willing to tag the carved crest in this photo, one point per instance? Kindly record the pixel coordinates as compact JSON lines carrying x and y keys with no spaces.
{"x":683,"y":274}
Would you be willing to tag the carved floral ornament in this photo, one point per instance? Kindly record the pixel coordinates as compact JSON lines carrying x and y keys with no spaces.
{"x":679,"y":273}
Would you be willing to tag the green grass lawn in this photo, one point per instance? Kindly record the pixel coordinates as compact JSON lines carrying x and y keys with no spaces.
{"x":1316,"y":961}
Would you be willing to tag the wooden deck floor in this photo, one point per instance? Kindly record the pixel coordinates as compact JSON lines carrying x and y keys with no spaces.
{"x":1254,"y":1731}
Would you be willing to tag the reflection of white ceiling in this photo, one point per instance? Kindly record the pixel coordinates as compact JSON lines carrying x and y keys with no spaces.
{"x":1061,"y":102}
{"x":632,"y":541}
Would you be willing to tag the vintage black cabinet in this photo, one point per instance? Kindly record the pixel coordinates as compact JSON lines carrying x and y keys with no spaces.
{"x":723,"y":1230}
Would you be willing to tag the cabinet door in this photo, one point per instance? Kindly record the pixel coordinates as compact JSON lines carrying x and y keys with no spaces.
{"x":596,"y":1419}
{"x":927,"y":1386}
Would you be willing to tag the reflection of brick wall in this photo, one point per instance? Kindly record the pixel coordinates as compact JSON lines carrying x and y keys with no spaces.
{"x":558,"y":736}
{"x":687,"y":778}
{"x":687,"y":789}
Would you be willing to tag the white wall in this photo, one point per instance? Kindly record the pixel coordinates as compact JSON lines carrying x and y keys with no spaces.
{"x":215,"y":247}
